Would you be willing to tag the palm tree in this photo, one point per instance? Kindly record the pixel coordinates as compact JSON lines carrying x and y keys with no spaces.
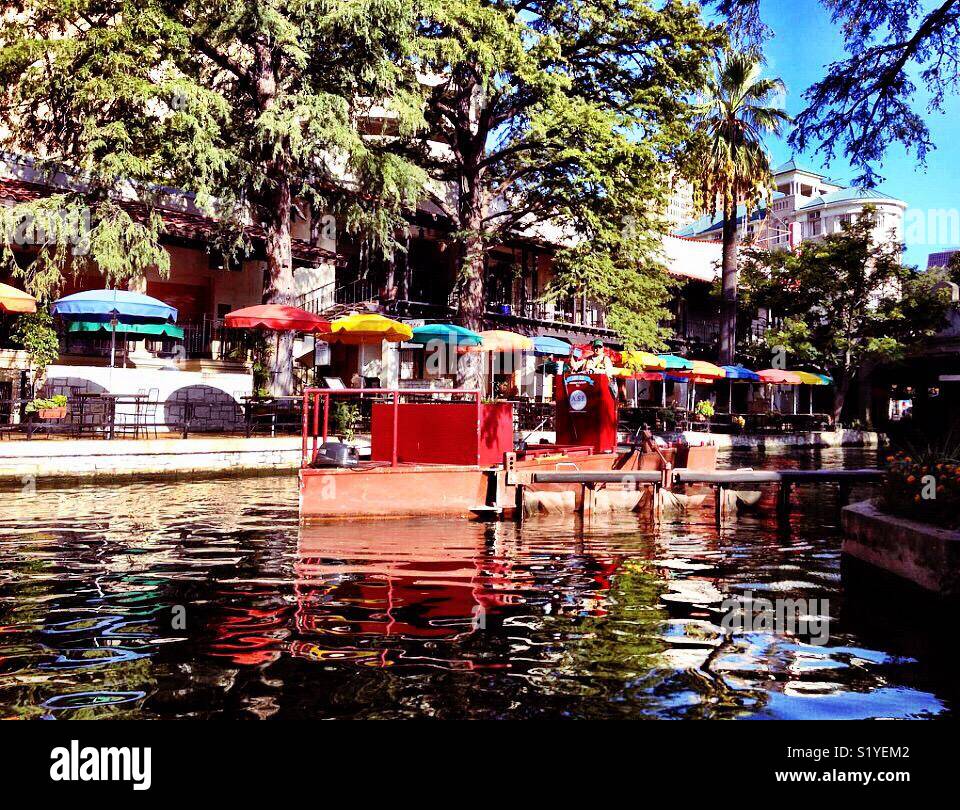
{"x":732,"y":167}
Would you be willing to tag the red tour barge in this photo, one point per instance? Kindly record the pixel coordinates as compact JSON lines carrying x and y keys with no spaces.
{"x":450,"y":453}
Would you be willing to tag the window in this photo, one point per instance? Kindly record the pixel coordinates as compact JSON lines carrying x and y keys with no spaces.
{"x":814,"y":220}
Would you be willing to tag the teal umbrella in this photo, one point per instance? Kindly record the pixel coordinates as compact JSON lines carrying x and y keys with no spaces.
{"x":167,"y":329}
{"x":673,"y":363}
{"x":446,"y":333}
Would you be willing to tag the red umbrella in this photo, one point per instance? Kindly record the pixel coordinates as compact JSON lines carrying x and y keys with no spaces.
{"x":278,"y":317}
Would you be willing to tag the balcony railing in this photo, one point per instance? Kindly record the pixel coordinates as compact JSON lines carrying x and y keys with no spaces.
{"x":331,"y":295}
{"x":553,"y":311}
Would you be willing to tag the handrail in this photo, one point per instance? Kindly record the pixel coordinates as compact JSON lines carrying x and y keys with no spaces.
{"x":311,"y":413}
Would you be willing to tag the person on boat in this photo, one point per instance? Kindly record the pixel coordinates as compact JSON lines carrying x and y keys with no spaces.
{"x":598,"y":362}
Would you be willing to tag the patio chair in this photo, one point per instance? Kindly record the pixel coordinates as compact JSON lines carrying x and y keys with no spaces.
{"x":125,"y":422}
{"x":148,"y":412}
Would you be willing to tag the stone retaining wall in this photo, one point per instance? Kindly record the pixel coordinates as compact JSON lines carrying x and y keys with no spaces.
{"x":785,"y":441}
{"x":916,"y":552}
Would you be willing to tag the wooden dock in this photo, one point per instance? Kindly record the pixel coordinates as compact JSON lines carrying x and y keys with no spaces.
{"x":719,"y":480}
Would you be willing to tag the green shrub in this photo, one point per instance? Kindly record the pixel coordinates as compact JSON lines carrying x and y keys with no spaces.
{"x":705,"y":408}
{"x":344,"y":417}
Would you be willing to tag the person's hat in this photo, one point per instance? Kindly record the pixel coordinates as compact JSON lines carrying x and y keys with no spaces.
{"x":597,"y":344}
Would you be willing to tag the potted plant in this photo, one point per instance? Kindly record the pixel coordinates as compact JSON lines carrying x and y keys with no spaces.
{"x":53,"y":408}
{"x":704,"y":410}
{"x":739,"y":423}
{"x":345,"y":417}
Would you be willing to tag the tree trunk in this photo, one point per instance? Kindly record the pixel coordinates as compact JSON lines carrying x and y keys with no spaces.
{"x":275,"y":203}
{"x":471,"y":143}
{"x":281,"y":288}
{"x":842,"y":380}
{"x":728,"y":302}
{"x":865,"y":393}
{"x":470,"y":368}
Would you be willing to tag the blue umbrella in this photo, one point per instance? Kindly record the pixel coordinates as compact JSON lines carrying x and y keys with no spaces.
{"x":105,"y":305}
{"x":446,"y":333}
{"x":739,"y":372}
{"x":114,"y":306}
{"x":551,"y":345}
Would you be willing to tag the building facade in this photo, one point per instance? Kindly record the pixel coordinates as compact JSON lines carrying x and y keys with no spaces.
{"x":804,"y":205}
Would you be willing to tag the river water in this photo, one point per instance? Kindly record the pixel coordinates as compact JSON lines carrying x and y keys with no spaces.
{"x":207,"y":599}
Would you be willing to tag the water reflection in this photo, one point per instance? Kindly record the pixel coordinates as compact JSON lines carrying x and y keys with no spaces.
{"x":207,"y":599}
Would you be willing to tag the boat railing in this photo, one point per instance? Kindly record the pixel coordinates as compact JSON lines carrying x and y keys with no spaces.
{"x":316,"y":411}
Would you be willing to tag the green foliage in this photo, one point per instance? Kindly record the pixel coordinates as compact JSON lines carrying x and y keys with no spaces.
{"x":41,"y":404}
{"x":726,"y":158}
{"x":242,"y":103}
{"x":705,"y":408}
{"x":562,"y":119}
{"x":865,"y":103}
{"x":36,"y":335}
{"x":845,"y":299}
{"x":727,"y":162}
{"x":70,"y":232}
{"x":344,"y":419}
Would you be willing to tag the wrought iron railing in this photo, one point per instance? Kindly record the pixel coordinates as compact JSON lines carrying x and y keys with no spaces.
{"x":326,"y":297}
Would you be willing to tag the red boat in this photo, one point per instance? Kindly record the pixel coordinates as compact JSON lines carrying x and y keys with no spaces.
{"x":450,"y":453}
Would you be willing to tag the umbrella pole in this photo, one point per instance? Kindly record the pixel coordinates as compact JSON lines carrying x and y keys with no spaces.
{"x":796,"y":396}
{"x":113,"y":341}
{"x":730,"y":399}
{"x":663,"y":388}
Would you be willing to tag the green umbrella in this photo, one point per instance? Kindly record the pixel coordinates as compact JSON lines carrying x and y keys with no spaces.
{"x":167,"y":329}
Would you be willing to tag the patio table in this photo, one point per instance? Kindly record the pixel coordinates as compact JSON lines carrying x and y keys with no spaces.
{"x":272,"y":407}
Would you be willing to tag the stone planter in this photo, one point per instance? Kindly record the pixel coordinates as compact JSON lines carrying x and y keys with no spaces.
{"x":917,"y":552}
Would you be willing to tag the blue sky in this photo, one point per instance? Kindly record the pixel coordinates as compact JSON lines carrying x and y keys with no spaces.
{"x":805,"y":41}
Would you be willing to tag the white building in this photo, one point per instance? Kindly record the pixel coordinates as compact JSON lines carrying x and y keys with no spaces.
{"x":804,"y":205}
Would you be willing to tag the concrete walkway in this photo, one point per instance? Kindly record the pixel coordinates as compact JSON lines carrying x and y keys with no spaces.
{"x":22,"y":462}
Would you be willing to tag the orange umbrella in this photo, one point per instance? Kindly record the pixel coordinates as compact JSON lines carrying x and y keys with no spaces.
{"x":13,"y":300}
{"x":500,"y":340}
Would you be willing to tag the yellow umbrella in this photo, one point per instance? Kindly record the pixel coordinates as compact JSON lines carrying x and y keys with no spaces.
{"x":500,"y":340}
{"x":13,"y":300}
{"x":810,"y":379}
{"x":366,"y":328}
{"x":642,"y":361}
